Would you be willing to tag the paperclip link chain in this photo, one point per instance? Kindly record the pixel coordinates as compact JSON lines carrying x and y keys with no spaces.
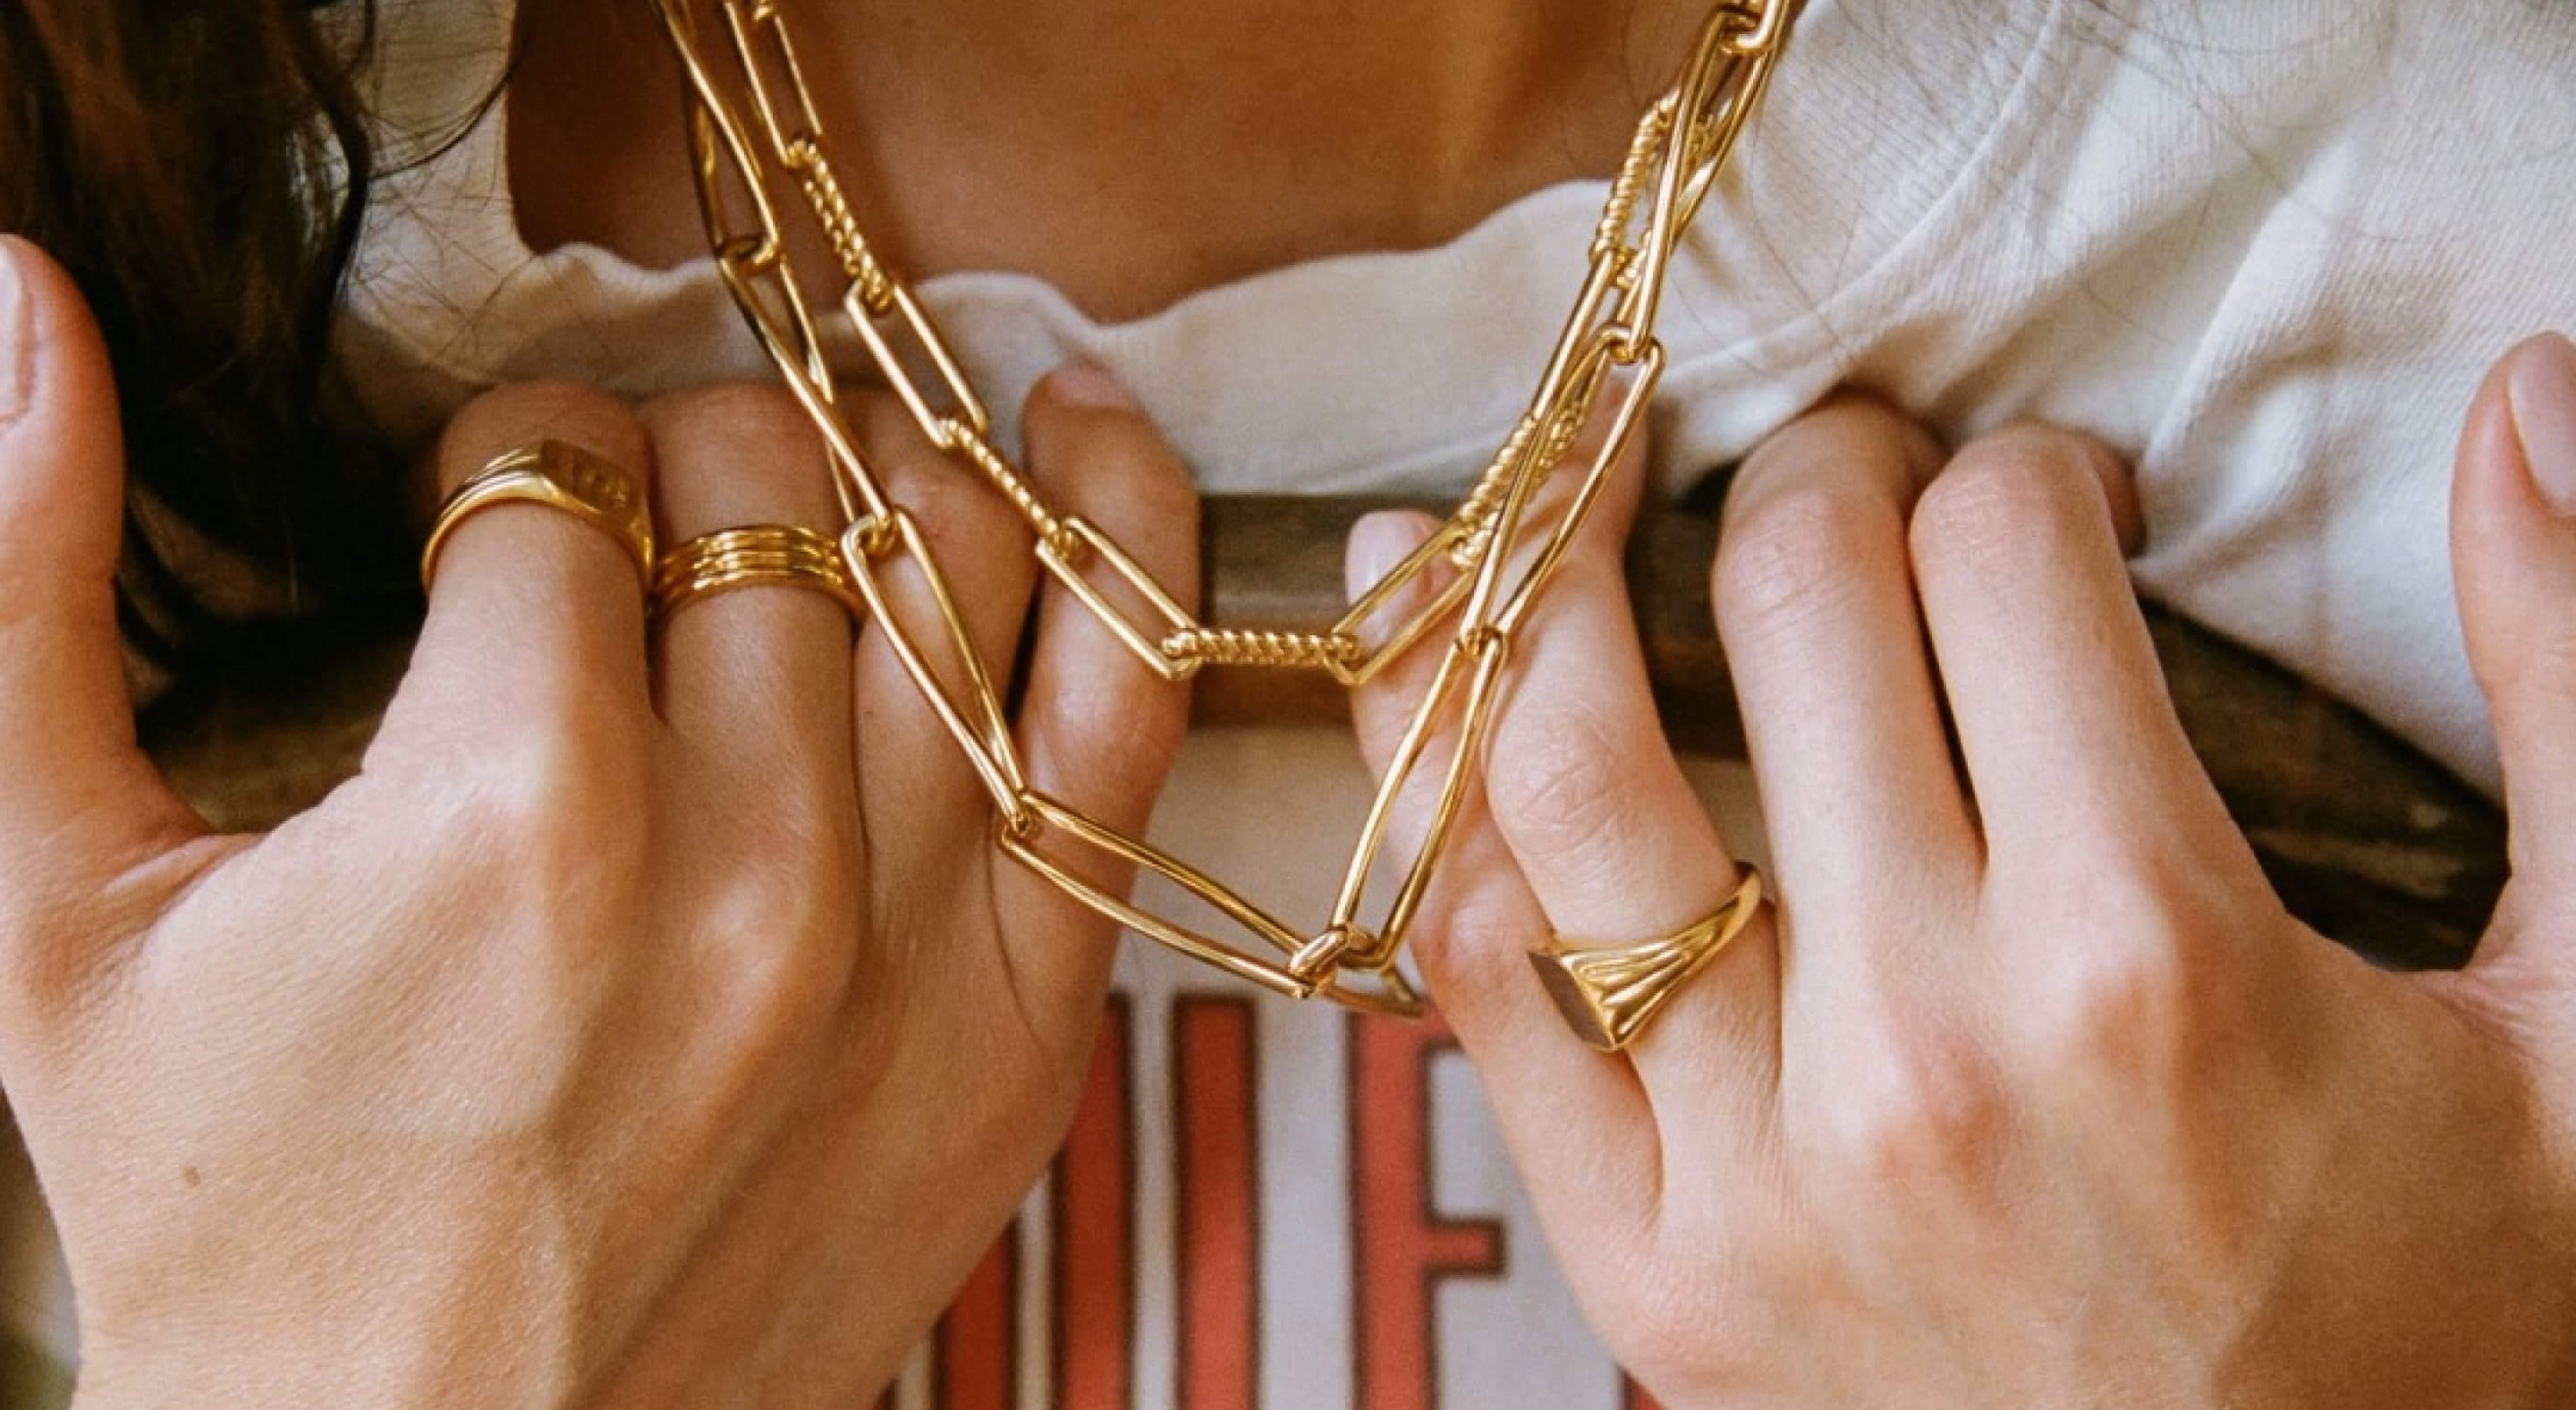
{"x":754,"y":127}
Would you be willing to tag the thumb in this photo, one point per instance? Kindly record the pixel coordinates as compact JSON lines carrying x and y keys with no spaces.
{"x":78,"y":799}
{"x":2513,"y":557}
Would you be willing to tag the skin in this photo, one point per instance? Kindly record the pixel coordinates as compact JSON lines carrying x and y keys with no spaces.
{"x":2032,"y":1096}
{"x":649,"y":1022}
{"x":653,"y":1024}
{"x":1129,"y":154}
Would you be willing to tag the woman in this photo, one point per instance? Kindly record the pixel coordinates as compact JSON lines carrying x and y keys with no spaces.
{"x":2010,"y":255}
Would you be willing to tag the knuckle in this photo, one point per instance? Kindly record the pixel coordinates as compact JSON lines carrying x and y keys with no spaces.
{"x":887,"y":426}
{"x":730,"y":406}
{"x":544,"y":858}
{"x":1556,"y":782}
{"x":733,"y":417}
{"x":787,"y":921}
{"x":795,"y":850}
{"x":2118,"y":998}
{"x":1473,"y":954}
{"x":2147,"y":997}
{"x":1126,"y":480}
{"x":1929,"y":1108}
{"x":520,"y":412}
{"x":737,"y":451}
{"x":1833,"y":432}
{"x":1788,"y":561}
{"x":555,"y":797}
{"x":2130,"y":1007}
{"x":1123,"y":446}
{"x":952,"y":508}
{"x":2042,"y":440}
{"x":541,"y":404}
{"x":516,"y":811}
{"x":2003,"y":494}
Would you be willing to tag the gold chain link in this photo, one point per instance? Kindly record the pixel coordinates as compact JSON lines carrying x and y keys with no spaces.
{"x":1500,"y":545}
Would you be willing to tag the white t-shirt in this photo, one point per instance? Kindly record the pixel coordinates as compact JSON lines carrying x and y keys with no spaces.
{"x":2266,"y":250}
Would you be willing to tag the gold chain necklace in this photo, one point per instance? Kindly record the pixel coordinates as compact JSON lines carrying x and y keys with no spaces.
{"x":752,"y":118}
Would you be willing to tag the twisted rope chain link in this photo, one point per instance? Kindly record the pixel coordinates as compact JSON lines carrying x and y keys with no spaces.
{"x":753,"y":125}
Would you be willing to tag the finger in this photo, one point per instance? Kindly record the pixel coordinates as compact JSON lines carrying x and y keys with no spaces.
{"x":921,"y":787}
{"x":1585,"y":792}
{"x":536,"y":618}
{"x":2513,"y":555}
{"x":2074,"y":753}
{"x":1098,"y":727}
{"x":1815,"y":599}
{"x":1579,"y":1128}
{"x":75,"y":786}
{"x":757,"y":678}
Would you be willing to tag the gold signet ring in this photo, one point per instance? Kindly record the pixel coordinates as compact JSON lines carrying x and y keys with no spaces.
{"x":749,"y":556}
{"x":558,"y":476}
{"x":1609,"y":994}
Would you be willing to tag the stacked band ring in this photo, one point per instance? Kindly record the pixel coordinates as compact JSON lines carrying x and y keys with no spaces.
{"x":751,"y":556}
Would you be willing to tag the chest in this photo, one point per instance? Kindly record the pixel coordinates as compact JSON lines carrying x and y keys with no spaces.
{"x":1129,"y":153}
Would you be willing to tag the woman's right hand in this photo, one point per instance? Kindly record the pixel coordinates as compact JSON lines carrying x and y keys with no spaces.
{"x":651,"y":1019}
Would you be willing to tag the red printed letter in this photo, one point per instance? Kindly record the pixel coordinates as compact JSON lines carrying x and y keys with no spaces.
{"x":1095,"y":1199}
{"x":976,"y":1343}
{"x":1403,"y":1247}
{"x":1220,"y":1263}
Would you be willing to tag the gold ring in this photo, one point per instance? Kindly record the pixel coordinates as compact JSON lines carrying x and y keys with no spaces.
{"x":560,"y":476}
{"x":748,"y":557}
{"x":1609,"y":993}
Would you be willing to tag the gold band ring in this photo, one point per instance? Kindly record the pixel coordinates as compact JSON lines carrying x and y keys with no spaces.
{"x":750,"y":556}
{"x":1609,"y":993}
{"x":560,"y":476}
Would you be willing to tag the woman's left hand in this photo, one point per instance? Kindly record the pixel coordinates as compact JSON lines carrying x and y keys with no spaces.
{"x":2031,"y":1094}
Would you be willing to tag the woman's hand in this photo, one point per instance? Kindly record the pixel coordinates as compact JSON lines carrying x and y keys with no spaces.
{"x":650,"y":1021}
{"x":2029,"y":1094}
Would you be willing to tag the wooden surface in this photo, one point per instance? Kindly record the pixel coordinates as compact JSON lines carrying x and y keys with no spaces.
{"x":2365,"y":838}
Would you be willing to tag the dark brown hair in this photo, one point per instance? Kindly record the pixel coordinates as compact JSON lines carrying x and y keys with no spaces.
{"x":200,"y":167}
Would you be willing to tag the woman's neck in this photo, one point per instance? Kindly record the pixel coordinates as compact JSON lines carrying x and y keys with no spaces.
{"x":1129,"y":152}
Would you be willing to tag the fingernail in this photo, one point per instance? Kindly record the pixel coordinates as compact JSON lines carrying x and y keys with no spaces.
{"x":1083,"y":382}
{"x":17,"y":336}
{"x":2542,"y":389}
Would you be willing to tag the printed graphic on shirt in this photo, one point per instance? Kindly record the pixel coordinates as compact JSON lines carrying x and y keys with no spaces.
{"x":1236,"y":1223}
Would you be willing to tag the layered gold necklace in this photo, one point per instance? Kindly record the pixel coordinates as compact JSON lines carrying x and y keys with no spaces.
{"x":754,"y":135}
